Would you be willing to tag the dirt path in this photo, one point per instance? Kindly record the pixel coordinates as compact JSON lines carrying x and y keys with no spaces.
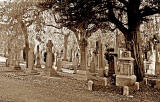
{"x":17,"y":87}
{"x":13,"y":90}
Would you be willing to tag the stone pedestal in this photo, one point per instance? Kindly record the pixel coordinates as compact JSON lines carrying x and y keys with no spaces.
{"x":125,"y":90}
{"x":145,"y":81}
{"x":137,"y":85}
{"x":90,"y":85}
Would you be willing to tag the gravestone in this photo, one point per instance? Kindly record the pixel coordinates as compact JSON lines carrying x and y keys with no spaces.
{"x":38,"y":65}
{"x":125,"y":75}
{"x":111,"y":57}
{"x":59,"y":64}
{"x":75,"y":64}
{"x":101,"y":59}
{"x":17,"y":62}
{"x":66,"y":46}
{"x":92,"y":65}
{"x":31,"y":58}
{"x":152,"y":65}
{"x":83,"y":47}
{"x":49,"y":61}
{"x":83,"y":63}
{"x":89,"y":58}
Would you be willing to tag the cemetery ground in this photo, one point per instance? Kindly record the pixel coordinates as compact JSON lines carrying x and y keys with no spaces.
{"x":15,"y":86}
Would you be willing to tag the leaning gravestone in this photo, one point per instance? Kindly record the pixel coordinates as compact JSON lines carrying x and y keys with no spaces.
{"x":49,"y":61}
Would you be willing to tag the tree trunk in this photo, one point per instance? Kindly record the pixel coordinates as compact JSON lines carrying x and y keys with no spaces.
{"x":135,"y":47}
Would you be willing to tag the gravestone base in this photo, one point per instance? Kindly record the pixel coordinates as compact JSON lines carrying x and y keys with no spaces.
{"x":124,"y":80}
{"x":98,"y":81}
{"x":83,"y":73}
{"x":38,"y":66}
{"x":101,"y":72}
{"x":51,"y":73}
{"x":32,"y":72}
{"x":17,"y":68}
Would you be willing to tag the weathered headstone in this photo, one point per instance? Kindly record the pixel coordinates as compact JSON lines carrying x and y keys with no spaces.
{"x":111,"y":57}
{"x":92,"y":65}
{"x":31,"y":58}
{"x":16,"y":62}
{"x":101,"y":60}
{"x":49,"y":60}
{"x":59,"y":64}
{"x":83,"y":63}
{"x":125,"y":75}
{"x":83,"y":47}
{"x":89,"y":58}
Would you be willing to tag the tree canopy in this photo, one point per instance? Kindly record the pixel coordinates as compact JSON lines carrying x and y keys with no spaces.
{"x":87,"y":16}
{"x":84,"y":13}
